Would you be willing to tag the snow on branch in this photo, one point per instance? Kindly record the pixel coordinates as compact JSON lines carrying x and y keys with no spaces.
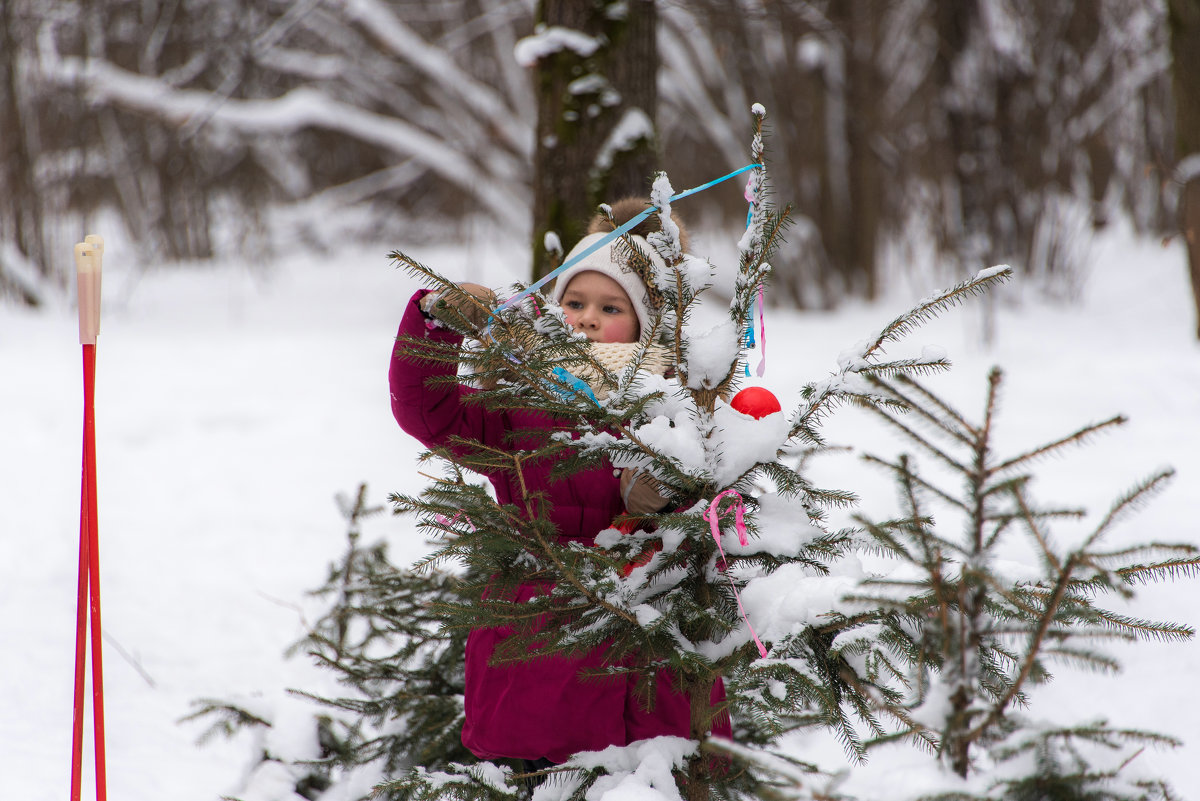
{"x":931,"y":307}
{"x":859,"y":364}
{"x":293,"y":111}
{"x":23,"y":273}
{"x":1118,"y":96}
{"x":634,"y":126}
{"x":696,"y":55}
{"x":1187,"y":170}
{"x":407,"y":45}
{"x":553,"y":39}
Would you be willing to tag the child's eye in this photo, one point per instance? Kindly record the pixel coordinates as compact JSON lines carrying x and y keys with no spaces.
{"x":613,"y":310}
{"x":574,"y":305}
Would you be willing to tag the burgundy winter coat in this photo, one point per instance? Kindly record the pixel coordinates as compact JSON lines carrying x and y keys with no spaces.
{"x":540,"y":708}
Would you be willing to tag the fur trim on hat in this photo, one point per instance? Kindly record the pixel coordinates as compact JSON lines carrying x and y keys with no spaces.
{"x":607,"y":260}
{"x":626,"y":209}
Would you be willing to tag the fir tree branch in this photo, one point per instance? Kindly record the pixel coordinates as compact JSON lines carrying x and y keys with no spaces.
{"x":1173,"y":568}
{"x":920,"y":441}
{"x":1047,"y":552}
{"x":964,"y":431}
{"x":231,"y":718}
{"x":930,"y":308}
{"x":1035,"y":642}
{"x":1129,"y":501}
{"x":1100,"y":663}
{"x":1156,"y":550}
{"x":573,"y":579}
{"x":906,"y":475}
{"x":1079,"y":437}
{"x":898,"y":368}
{"x":1146,"y":629}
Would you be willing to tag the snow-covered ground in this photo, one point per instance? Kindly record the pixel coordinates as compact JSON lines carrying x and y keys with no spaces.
{"x":234,"y":402}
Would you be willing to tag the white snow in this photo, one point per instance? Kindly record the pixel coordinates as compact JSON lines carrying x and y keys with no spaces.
{"x":711,"y":351}
{"x":742,"y":442}
{"x":272,"y":782}
{"x":677,"y":438}
{"x":991,"y":271}
{"x":592,"y":83}
{"x":487,"y":773}
{"x":635,"y":125}
{"x":646,"y":615}
{"x":697,"y":273}
{"x":782,"y":527}
{"x":666,"y":240}
{"x":793,"y":597}
{"x":1188,"y":169}
{"x":810,"y":51}
{"x":234,"y":402}
{"x":551,"y":39}
{"x":492,"y":775}
{"x":637,"y":772}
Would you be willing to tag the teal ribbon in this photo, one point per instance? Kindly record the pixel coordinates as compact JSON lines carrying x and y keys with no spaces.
{"x":629,"y":226}
{"x":577,"y":385}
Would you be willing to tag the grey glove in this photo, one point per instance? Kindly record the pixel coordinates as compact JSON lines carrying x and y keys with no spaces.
{"x":641,"y":492}
{"x":474,"y":302}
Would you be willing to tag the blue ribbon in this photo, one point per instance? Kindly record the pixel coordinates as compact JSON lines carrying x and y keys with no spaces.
{"x":750,"y":321}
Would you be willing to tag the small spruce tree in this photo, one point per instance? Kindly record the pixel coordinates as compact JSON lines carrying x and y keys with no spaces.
{"x":381,"y":638}
{"x":983,"y":609}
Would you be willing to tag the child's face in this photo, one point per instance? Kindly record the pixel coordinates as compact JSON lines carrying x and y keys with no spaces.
{"x":596,"y":305}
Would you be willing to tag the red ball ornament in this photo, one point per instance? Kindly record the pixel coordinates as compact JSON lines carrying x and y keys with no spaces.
{"x":756,"y":402}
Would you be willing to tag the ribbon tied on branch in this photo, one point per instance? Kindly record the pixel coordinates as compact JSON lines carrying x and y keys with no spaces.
{"x":713,"y":516}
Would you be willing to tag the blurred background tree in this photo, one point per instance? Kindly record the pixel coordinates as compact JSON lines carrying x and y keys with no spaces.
{"x":596,"y":99}
{"x":912,"y":135}
{"x":1185,"y":50}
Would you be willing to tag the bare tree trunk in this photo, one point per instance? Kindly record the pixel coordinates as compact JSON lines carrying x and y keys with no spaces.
{"x":1184,"y":20}
{"x":699,"y":780}
{"x":864,"y":95}
{"x":967,"y":217}
{"x":834,"y":156}
{"x":1189,"y":210}
{"x":20,"y":207}
{"x":582,"y":101}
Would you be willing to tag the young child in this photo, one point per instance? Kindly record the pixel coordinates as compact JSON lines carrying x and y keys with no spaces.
{"x":543,"y":710}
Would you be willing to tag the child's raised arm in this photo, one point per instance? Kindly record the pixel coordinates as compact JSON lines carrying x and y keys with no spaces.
{"x":434,"y":413}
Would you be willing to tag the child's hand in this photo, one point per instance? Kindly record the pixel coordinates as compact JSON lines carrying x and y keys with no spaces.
{"x":474,"y":303}
{"x":640,"y":491}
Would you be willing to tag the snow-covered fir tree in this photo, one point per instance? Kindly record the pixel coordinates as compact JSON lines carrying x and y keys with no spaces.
{"x":740,"y":580}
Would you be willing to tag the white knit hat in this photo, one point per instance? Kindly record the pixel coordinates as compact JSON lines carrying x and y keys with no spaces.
{"x":607,"y":260}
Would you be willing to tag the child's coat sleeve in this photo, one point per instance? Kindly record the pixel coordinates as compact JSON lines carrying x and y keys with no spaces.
{"x":435,"y":413}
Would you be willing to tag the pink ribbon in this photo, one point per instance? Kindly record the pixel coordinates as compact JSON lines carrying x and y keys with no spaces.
{"x":713,"y":516}
{"x":449,"y":522}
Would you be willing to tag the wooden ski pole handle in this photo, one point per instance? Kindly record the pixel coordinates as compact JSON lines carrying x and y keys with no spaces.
{"x":97,"y":243}
{"x":89,"y":256}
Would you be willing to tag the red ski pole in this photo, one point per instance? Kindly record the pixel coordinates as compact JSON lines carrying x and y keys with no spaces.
{"x":88,"y":262}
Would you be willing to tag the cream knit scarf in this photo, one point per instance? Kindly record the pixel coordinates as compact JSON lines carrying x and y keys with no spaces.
{"x":615,"y":357}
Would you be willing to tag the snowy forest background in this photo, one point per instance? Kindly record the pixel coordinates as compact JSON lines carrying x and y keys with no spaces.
{"x":211,"y":142}
{"x":999,"y":132}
